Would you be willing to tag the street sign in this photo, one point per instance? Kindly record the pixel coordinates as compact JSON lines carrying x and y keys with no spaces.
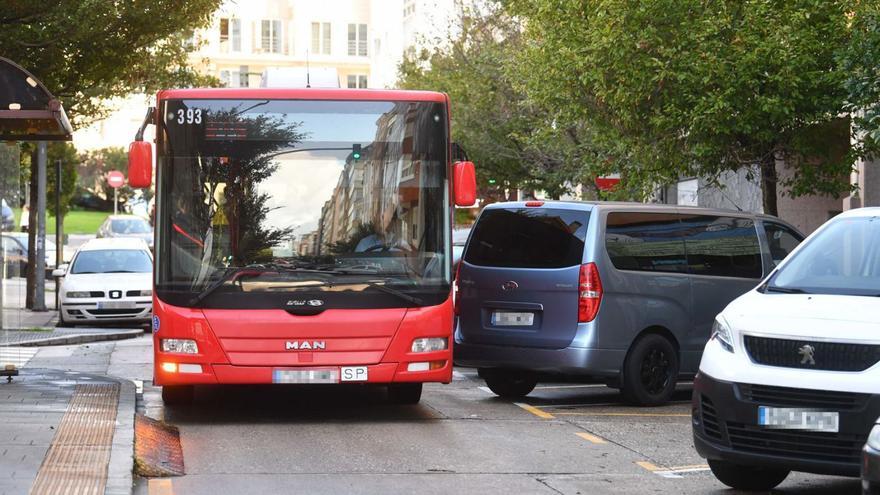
{"x":115,"y":179}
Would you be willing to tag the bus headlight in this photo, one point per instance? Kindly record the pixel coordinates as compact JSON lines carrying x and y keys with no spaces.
{"x":73,"y":294}
{"x":431,"y":344}
{"x":180,"y":346}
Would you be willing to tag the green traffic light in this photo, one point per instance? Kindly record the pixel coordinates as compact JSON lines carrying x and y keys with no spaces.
{"x":356,"y":156}
{"x":491,"y":181}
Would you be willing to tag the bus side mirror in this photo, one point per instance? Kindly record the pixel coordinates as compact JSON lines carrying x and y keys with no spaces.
{"x":140,"y":164}
{"x":464,"y":183}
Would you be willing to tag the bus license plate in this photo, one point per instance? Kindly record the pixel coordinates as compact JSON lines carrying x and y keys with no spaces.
{"x":315,"y":375}
{"x":511,"y":319}
{"x":790,"y":418}
{"x":354,"y":374}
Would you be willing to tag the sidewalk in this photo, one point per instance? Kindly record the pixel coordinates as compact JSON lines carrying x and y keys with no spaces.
{"x":64,"y":430}
{"x":23,"y":327}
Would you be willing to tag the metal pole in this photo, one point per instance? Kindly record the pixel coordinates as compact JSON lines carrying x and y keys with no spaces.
{"x":59,"y":230}
{"x":115,"y":199}
{"x":40,"y":261}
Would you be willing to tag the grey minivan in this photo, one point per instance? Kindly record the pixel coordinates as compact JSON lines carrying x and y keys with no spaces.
{"x":615,"y":292}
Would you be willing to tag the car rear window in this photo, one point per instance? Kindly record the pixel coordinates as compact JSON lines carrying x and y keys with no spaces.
{"x":528,"y":238}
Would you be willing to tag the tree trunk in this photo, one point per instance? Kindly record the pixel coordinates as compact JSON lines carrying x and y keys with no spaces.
{"x":768,"y":184}
{"x":31,"y":288}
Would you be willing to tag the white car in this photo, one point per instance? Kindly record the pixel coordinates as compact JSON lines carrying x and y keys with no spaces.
{"x":790,"y":379}
{"x":132,"y":226}
{"x":108,"y":280}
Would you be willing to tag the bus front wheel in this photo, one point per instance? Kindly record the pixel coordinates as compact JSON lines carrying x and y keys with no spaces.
{"x":405,"y":393}
{"x":177,"y":394}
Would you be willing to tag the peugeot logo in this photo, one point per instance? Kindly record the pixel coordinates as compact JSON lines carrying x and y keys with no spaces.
{"x":509,"y":285}
{"x":303,"y":302}
{"x":807,"y":352}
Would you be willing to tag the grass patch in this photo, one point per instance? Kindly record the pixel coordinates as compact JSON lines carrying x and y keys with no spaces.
{"x":36,"y":329}
{"x":75,"y":222}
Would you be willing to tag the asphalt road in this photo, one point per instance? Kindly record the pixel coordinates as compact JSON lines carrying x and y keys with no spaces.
{"x":563,"y":439}
{"x":461,"y":439}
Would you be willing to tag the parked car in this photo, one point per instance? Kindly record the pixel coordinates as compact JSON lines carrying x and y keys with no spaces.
{"x":7,"y":216}
{"x":789,"y":380}
{"x":127,"y":226}
{"x":15,"y":254}
{"x":108,"y":280}
{"x":871,"y":463}
{"x":459,"y":239}
{"x":620,"y":293}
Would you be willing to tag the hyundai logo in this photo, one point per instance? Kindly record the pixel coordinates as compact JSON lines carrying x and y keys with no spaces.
{"x":509,"y":285}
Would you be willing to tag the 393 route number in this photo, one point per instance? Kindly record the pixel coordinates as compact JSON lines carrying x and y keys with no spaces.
{"x":189,"y":116}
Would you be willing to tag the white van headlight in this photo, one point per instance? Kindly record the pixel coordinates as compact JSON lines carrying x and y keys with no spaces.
{"x":721,"y":333}
{"x":874,"y":438}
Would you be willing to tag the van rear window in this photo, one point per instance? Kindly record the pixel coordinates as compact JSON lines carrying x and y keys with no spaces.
{"x":528,"y":238}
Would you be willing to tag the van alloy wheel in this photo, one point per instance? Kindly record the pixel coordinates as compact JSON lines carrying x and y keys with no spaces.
{"x":655,"y":371}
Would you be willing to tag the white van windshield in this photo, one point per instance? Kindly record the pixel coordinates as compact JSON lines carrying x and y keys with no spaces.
{"x":843,"y":259}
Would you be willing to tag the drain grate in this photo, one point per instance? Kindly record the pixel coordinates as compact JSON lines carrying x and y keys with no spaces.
{"x":78,"y":456}
{"x":157,"y":450}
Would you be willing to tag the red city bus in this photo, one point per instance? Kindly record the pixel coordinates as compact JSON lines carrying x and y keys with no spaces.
{"x":302,"y":236}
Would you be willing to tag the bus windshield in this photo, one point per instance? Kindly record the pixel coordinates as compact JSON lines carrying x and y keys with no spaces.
{"x":263,"y":203}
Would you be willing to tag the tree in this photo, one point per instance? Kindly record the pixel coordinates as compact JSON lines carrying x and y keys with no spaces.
{"x":65,"y":152}
{"x":861,"y":60}
{"x":697,"y":87}
{"x":513,"y":140}
{"x":92,"y":173}
{"x":88,"y":51}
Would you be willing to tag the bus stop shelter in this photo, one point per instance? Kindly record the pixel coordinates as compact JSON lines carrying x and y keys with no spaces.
{"x":28,"y":112}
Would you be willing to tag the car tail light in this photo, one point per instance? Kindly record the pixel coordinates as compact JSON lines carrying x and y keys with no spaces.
{"x":589,"y":293}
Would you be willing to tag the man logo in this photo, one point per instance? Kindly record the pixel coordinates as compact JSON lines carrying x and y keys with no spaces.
{"x":305,"y":345}
{"x":315,"y":302}
{"x":807,"y":352}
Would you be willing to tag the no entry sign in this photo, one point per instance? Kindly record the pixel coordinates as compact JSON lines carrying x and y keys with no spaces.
{"x":115,"y":179}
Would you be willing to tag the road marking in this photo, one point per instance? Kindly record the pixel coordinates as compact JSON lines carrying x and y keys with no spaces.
{"x":598,"y":404}
{"x":590,"y":438}
{"x":486,"y":389}
{"x":590,"y":385}
{"x":634,"y":415}
{"x":672,"y":472}
{"x":160,"y":486}
{"x":18,"y":356}
{"x":534,"y":410}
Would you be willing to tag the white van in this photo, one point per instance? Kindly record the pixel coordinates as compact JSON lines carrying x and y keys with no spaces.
{"x":790,"y":378}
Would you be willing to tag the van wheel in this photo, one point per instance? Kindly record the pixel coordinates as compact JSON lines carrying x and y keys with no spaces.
{"x":650,"y":371}
{"x":510,"y":384}
{"x":405,"y":393}
{"x":747,"y":478}
{"x":177,"y":395}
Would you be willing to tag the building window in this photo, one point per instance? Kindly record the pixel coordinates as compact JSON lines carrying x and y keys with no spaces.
{"x":235,"y":78}
{"x":230,"y":35}
{"x":357,"y":40}
{"x":321,"y":38}
{"x":409,"y":8}
{"x":270,"y":40}
{"x":243,"y":76}
{"x":357,"y":81}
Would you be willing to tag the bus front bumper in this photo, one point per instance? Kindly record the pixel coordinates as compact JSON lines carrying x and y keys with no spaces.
{"x":181,"y":373}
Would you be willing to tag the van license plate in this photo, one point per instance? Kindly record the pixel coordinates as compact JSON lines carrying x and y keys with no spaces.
{"x":790,"y":418}
{"x":510,"y":319}
{"x":314,"y":375}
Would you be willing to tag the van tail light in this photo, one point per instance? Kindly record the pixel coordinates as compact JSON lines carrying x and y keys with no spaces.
{"x":589,"y":293}
{"x":455,"y":294}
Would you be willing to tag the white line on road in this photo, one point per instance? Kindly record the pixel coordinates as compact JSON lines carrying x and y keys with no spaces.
{"x":18,"y":356}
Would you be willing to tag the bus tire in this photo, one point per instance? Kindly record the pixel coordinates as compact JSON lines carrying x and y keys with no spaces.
{"x":510,"y":384}
{"x":173,"y":395}
{"x":650,"y":371}
{"x":405,"y":393}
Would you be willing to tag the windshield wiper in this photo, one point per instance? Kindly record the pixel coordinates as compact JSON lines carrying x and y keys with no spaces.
{"x":785,"y":290}
{"x":230,"y":274}
{"x":396,"y":293}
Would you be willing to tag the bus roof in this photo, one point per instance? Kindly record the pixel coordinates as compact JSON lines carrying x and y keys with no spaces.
{"x":302,"y":94}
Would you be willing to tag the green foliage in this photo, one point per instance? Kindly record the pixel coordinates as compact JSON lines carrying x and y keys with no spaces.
{"x":66,"y":153}
{"x":673,"y":88}
{"x":861,"y":61}
{"x":86,"y":51}
{"x":513,"y":141}
{"x":92,"y":173}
